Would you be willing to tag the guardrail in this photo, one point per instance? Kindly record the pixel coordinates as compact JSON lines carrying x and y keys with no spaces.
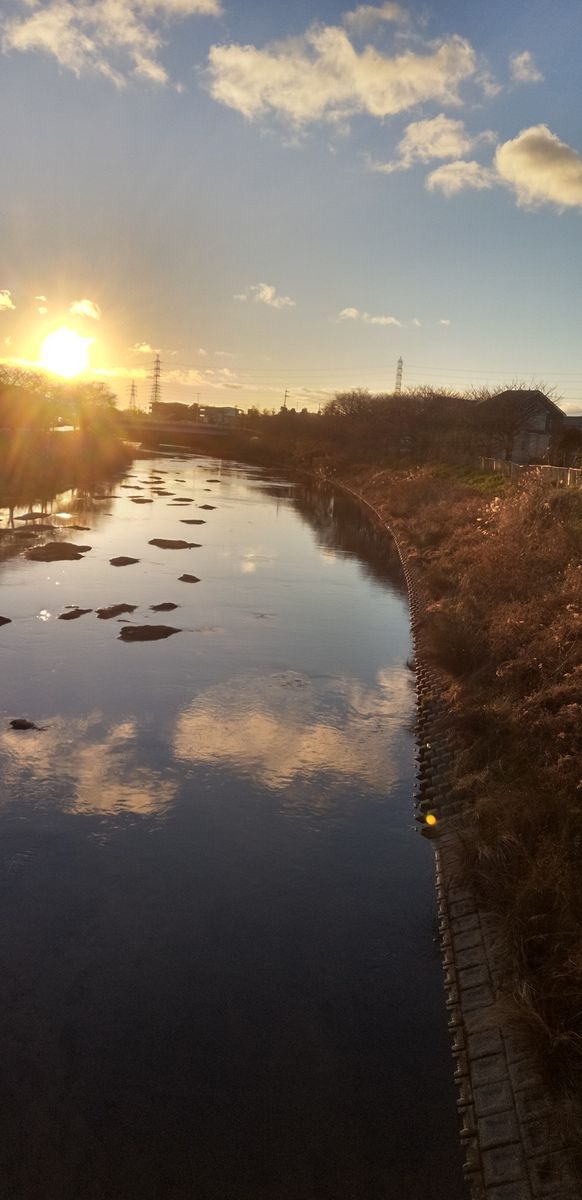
{"x":567,"y":476}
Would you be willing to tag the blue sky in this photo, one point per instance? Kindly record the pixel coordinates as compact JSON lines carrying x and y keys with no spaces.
{"x":278,"y":195}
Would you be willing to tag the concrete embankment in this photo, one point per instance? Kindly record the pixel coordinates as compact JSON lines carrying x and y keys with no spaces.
{"x":513,"y":1147}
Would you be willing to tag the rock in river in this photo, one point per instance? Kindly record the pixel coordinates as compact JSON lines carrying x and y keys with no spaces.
{"x":57,"y":552}
{"x":173,"y":544}
{"x":114,"y":610}
{"x":71,"y":614}
{"x":141,"y":500}
{"x":5,"y":620}
{"x":192,"y":521}
{"x":123,"y":561}
{"x":207,"y":506}
{"x":165,"y":606}
{"x":188,"y":579}
{"x":146,"y":633}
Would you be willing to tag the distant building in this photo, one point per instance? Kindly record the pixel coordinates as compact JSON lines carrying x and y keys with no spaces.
{"x":214,"y":415}
{"x":165,"y":411}
{"x":522,"y":425}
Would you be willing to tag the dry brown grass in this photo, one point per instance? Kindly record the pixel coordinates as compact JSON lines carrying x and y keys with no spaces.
{"x":504,"y":577}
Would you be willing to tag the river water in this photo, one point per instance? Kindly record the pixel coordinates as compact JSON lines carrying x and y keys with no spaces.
{"x":218,"y":974}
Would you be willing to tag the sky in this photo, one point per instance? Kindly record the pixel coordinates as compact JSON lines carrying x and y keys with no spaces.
{"x":292,"y":196}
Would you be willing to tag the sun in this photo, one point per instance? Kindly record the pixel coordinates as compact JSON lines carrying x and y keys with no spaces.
{"x":65,"y":352}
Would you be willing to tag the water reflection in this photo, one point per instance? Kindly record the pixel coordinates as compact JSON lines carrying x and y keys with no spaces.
{"x":284,"y":727}
{"x":342,"y":525}
{"x":85,"y":766}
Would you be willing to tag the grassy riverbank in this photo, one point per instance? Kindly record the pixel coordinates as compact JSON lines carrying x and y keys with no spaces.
{"x":501,"y":567}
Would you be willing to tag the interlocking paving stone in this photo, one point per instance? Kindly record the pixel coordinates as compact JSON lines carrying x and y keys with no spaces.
{"x":488,"y":1070}
{"x":476,"y":997}
{"x":473,"y":976}
{"x":492,"y":1098}
{"x":539,"y":1136}
{"x":510,"y":1191}
{"x":480,"y":1018}
{"x":531,"y":1103}
{"x":487,"y":1042}
{"x":462,"y":908}
{"x":497,"y":1130}
{"x":464,"y":941}
{"x":464,"y":924}
{"x":524,"y":1075}
{"x":473,"y":956}
{"x":550,"y":1175}
{"x":503,"y":1164}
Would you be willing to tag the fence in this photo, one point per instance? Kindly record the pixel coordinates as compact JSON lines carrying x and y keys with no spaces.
{"x":567,"y":476}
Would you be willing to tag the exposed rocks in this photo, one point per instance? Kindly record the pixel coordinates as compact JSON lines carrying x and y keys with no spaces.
{"x":188,"y":579}
{"x":114,"y":610}
{"x":71,"y":613}
{"x":209,"y":507}
{"x":192,"y":521}
{"x":146,"y":633}
{"x":173,"y":544}
{"x":122,"y":560}
{"x":24,"y":723}
{"x":5,"y":621}
{"x":165,"y":606}
{"x":141,"y":500}
{"x":57,"y":552}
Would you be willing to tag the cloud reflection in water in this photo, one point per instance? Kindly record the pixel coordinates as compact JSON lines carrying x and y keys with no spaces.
{"x":93,"y":767}
{"x":286,"y":726}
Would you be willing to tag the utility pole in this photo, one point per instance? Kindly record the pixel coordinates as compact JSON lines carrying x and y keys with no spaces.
{"x":156,"y":386}
{"x":133,"y":397}
{"x":398,"y":384}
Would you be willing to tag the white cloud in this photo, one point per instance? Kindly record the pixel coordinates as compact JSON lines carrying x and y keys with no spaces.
{"x":523,"y":68}
{"x":365,"y":16}
{"x":6,"y":300}
{"x":265,"y":293}
{"x":41,"y":299}
{"x":436,"y":137}
{"x":458,"y":176}
{"x":42,"y":309}
{"x":143,"y":348}
{"x":354,"y":314}
{"x":111,"y":37}
{"x":541,"y":169}
{"x":417,"y":324}
{"x":321,"y":76}
{"x":203,"y":353}
{"x":85,"y":308}
{"x":444,"y":321}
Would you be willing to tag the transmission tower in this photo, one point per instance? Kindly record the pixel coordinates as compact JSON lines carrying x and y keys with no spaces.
{"x":398,"y":384}
{"x":156,"y":395}
{"x":133,"y":397}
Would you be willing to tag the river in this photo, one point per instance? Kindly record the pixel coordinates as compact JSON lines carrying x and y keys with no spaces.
{"x":218,"y":972}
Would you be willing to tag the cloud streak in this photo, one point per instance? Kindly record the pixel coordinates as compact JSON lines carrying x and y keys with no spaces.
{"x":321,"y":76}
{"x":85,"y":308}
{"x":523,"y":68}
{"x":354,"y":314}
{"x":113,"y":38}
{"x":538,"y":167}
{"x":6,"y":301}
{"x":264,"y":293}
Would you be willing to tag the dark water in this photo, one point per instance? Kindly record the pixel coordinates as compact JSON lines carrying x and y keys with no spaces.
{"x":218,"y":978}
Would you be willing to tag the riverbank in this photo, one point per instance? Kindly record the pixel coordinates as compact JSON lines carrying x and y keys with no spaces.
{"x":34,"y":465}
{"x":499,"y":565}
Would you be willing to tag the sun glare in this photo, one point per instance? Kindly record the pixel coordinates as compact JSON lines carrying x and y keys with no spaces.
{"x":65,"y":352}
